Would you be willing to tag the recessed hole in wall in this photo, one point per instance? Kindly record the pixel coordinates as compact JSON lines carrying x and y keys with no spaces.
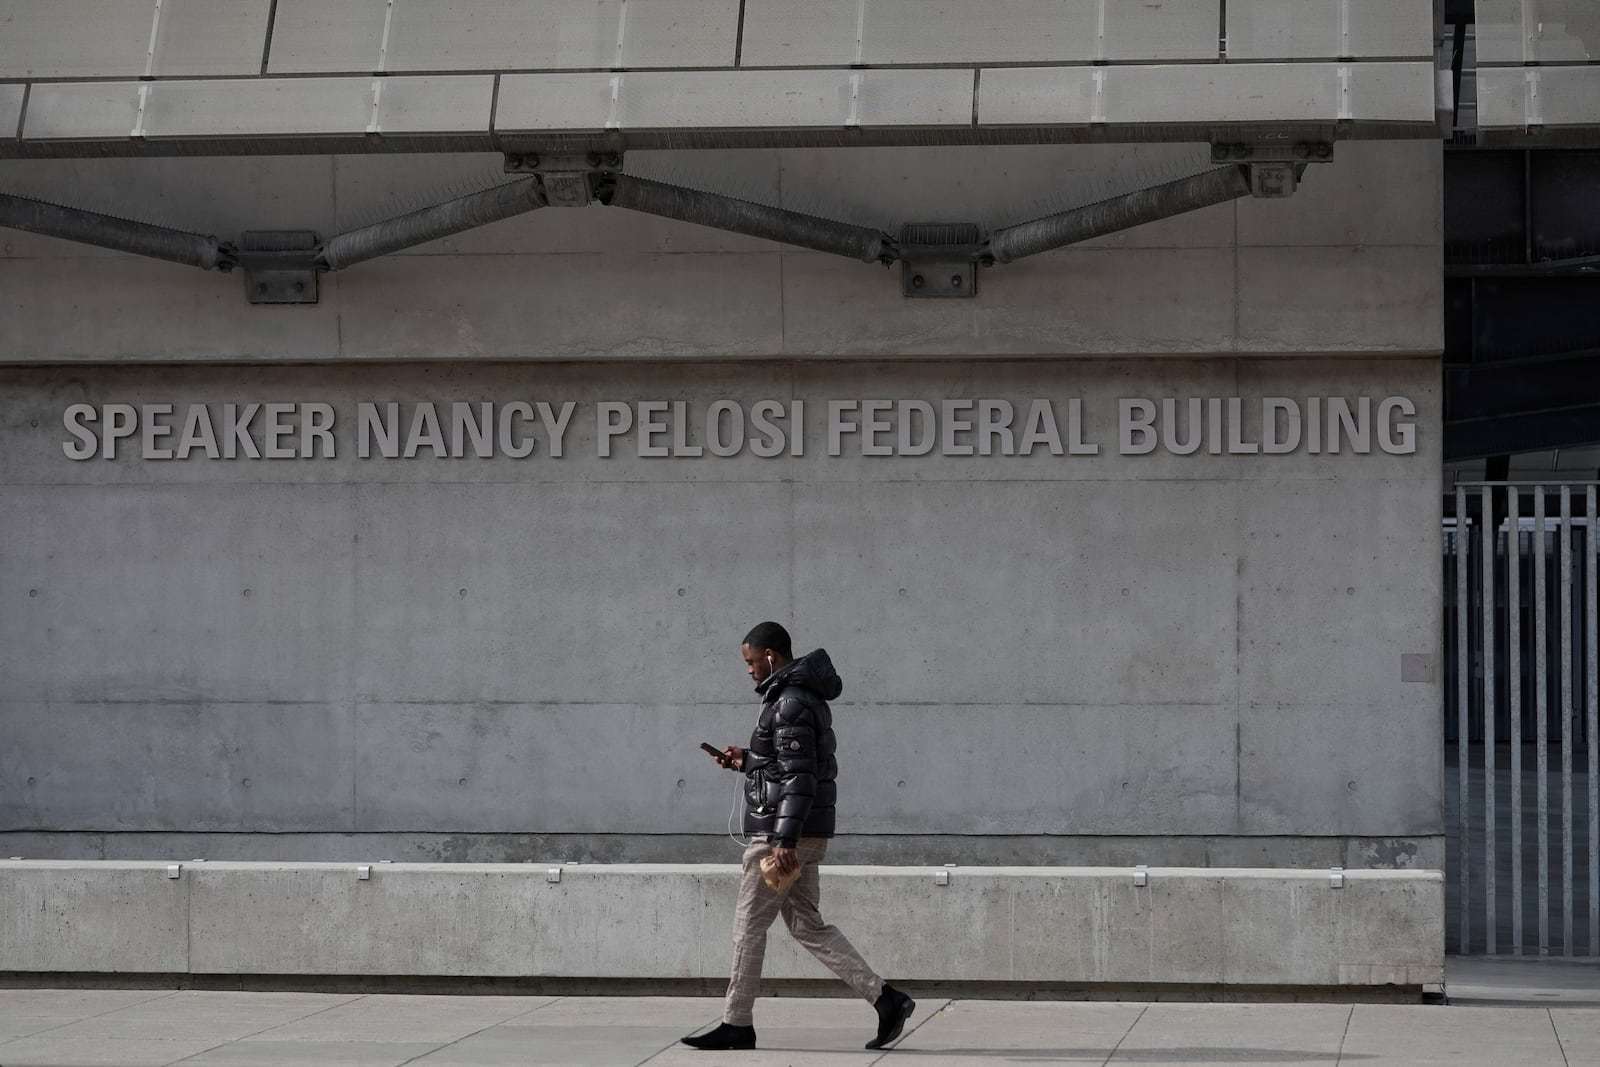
{"x":33,"y":592}
{"x":33,"y":781}
{"x":1350,"y":591}
{"x":461,"y":592}
{"x":680,"y":783}
{"x":1350,"y":786}
{"x":901,"y":784}
{"x":33,"y":422}
{"x":902,"y":592}
{"x":246,"y":782}
{"x":461,"y":781}
{"x":682,"y":592}
{"x":1124,"y":592}
{"x":247,"y":592}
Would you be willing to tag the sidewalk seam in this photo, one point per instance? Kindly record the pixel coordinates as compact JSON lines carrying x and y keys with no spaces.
{"x":1112,"y":1054}
{"x":1560,"y":1045}
{"x":1344,"y":1036}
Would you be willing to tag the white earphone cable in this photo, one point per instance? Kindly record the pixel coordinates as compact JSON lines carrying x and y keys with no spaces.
{"x":737,"y":810}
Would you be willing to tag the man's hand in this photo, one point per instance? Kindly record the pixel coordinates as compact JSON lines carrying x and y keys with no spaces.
{"x":732,"y":758}
{"x":787,"y":858}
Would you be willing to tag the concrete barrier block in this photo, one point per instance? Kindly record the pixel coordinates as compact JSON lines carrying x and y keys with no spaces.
{"x":124,"y":917}
{"x":1046,"y":925}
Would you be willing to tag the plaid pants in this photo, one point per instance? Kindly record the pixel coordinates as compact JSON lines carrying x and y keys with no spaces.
{"x":753,"y":914}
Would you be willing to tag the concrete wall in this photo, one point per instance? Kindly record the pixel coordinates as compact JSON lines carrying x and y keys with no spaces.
{"x":1109,"y":659}
{"x":1045,"y":927}
{"x":1168,"y":646}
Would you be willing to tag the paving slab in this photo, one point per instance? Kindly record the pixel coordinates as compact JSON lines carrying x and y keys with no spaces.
{"x":46,"y":1050}
{"x":584,"y":1032}
{"x":258,"y":1053}
{"x":1579,"y":1033}
{"x":1004,"y":1032}
{"x":32,"y":1011}
{"x":1269,"y":1035}
{"x":435,"y":1020}
{"x":1489,"y":1036}
{"x":208,"y":1016}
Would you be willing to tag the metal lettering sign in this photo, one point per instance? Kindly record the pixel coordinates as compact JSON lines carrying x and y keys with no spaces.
{"x":681,"y":429}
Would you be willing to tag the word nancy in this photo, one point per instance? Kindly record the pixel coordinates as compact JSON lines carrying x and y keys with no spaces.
{"x":664,"y":429}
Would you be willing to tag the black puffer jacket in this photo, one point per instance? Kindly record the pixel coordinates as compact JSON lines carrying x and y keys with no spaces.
{"x":789,"y":767}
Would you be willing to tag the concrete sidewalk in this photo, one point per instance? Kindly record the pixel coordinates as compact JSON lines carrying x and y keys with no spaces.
{"x":1501,"y":1013}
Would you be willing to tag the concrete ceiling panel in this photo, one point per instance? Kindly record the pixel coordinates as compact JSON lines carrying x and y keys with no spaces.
{"x":734,"y":99}
{"x":114,"y":38}
{"x":1318,"y":29}
{"x":1520,"y":97}
{"x":321,"y":36}
{"x":1545,"y":31}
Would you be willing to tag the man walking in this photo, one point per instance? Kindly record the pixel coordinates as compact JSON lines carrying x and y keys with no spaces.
{"x":789,"y":772}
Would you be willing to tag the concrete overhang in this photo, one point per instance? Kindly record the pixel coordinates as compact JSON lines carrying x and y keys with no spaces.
{"x":246,"y":77}
{"x":1538,"y":72}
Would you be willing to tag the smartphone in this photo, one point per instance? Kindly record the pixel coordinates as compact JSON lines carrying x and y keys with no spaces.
{"x":715,"y":751}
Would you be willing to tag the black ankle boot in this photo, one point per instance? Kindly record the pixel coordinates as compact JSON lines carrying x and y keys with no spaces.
{"x":893,"y":1008}
{"x":725,"y":1036}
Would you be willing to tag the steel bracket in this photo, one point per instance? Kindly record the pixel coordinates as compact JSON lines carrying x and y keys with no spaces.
{"x":939,"y":259}
{"x":568,"y":180}
{"x":279,"y":266}
{"x":1275,"y":169}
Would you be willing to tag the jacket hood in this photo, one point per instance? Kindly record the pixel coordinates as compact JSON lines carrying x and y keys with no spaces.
{"x":813,"y":671}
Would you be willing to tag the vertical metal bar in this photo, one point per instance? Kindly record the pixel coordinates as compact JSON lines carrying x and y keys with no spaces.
{"x":1592,"y":720}
{"x":1541,"y":722}
{"x":1514,"y":702}
{"x":1490,"y":853}
{"x":1463,"y":728}
{"x":1564,"y":604}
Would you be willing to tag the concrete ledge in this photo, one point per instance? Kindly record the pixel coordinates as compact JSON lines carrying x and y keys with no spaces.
{"x":1211,"y":927}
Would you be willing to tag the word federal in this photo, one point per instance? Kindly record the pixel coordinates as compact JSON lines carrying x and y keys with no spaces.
{"x":668,"y":429}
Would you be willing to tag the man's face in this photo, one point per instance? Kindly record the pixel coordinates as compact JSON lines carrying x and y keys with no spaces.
{"x":757,"y":662}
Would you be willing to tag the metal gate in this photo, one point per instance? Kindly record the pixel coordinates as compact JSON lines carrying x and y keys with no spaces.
{"x":1522,"y":738}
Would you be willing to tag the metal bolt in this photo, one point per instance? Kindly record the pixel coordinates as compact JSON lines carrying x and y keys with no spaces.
{"x":955,"y":281}
{"x":917,"y":282}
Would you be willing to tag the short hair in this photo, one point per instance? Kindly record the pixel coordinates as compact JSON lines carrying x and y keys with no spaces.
{"x":772,"y":636}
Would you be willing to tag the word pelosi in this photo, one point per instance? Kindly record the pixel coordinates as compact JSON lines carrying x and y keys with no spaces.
{"x":661,"y":429}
